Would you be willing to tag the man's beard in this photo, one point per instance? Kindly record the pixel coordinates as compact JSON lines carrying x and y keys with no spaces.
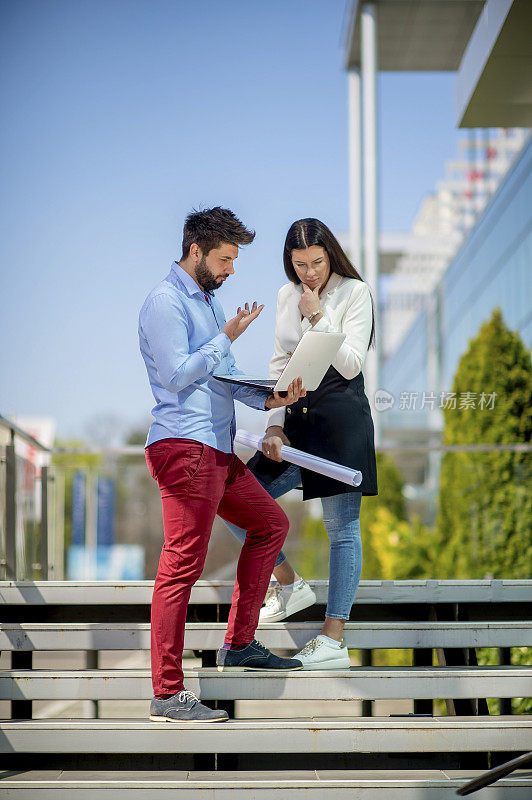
{"x":205,"y":277}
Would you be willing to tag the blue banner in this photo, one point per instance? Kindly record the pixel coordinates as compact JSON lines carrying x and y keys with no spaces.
{"x":106,"y":511}
{"x":78,"y":508}
{"x":122,"y":562}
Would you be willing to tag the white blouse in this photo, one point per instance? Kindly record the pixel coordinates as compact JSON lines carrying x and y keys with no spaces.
{"x":346,"y":307}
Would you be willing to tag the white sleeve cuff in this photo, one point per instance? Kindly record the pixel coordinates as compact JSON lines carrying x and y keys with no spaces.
{"x":322,"y":324}
{"x":276,"y":416}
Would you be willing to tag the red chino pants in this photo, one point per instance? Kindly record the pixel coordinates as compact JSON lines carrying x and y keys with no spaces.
{"x":196,"y":483}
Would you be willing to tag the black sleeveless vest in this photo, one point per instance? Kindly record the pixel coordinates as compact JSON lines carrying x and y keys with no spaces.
{"x":333,"y":422}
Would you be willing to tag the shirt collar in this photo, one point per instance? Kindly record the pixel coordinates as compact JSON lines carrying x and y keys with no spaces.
{"x":333,"y":283}
{"x":187,"y":281}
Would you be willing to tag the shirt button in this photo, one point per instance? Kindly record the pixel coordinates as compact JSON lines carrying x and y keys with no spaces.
{"x":288,"y":410}
{"x":304,"y":410}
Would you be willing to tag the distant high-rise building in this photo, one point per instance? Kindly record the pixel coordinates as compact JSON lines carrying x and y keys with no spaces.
{"x":444,"y":219}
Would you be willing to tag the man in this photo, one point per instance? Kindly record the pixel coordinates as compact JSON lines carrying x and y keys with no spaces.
{"x":185,"y":340}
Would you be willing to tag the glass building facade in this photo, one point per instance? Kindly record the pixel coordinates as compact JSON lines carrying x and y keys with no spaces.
{"x":493,"y":267}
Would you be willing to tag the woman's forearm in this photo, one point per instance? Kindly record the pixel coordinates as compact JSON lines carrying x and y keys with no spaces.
{"x":274,"y":430}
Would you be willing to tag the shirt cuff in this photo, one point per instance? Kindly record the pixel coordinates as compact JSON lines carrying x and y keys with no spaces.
{"x":214,"y":351}
{"x":254,"y":398}
{"x":223,"y":342}
{"x":276,"y":416}
{"x":322,"y":324}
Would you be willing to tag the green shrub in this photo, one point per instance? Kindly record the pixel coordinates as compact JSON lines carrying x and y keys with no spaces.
{"x":485,"y":501}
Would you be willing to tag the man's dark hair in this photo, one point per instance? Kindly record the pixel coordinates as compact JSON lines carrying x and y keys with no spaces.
{"x":212,"y":226}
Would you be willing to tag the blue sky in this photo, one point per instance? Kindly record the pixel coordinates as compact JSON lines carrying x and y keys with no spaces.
{"x":121,"y":115}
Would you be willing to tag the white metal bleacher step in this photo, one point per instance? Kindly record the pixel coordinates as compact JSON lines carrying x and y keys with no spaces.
{"x":360,"y":735}
{"x":296,"y":785}
{"x":283,"y":635}
{"x":358,"y":683}
{"x":204,"y":592}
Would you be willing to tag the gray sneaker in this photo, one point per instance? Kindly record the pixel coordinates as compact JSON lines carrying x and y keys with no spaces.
{"x":184,"y":707}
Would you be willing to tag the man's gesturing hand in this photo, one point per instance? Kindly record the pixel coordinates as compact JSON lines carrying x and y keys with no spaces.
{"x":295,"y":391}
{"x":244,"y":317}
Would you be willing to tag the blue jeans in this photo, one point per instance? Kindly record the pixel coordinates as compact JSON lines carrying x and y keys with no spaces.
{"x":341,"y":520}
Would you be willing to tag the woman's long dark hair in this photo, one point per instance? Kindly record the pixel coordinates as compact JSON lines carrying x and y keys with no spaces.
{"x":308,"y":232}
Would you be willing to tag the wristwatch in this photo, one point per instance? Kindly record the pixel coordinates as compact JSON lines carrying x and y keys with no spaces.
{"x":314,"y":314}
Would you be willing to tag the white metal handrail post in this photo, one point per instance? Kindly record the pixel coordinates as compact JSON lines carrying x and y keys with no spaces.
{"x":368,"y":47}
{"x":10,"y":563}
{"x":355,"y":168}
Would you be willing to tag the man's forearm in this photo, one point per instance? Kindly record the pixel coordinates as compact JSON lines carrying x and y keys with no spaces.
{"x":195,"y":366}
{"x":254,"y":398}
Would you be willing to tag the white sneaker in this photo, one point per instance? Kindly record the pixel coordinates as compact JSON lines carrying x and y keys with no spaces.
{"x":320,"y":653}
{"x":282,"y":601}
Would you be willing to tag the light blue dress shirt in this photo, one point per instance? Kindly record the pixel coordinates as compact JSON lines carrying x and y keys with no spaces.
{"x":183,"y":346}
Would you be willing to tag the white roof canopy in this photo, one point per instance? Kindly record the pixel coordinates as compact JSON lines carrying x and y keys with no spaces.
{"x":416,"y":35}
{"x":494,"y":85}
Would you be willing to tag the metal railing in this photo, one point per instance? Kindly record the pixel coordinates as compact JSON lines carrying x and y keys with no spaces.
{"x":9,"y":562}
{"x":34,"y":544}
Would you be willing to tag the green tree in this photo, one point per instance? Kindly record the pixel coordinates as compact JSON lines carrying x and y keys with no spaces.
{"x":403,"y":548}
{"x":390,"y":497}
{"x":313,"y":560}
{"x":485,"y":501}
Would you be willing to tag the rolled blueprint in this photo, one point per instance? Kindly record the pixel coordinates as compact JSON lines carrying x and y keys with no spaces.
{"x":336,"y":471}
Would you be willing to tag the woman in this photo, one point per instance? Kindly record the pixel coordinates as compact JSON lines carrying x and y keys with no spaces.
{"x":325,"y":293}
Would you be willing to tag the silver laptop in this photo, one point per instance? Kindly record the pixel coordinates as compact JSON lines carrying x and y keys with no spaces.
{"x":310,"y":361}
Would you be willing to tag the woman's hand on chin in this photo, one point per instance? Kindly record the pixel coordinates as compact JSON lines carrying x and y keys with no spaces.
{"x":310,"y":300}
